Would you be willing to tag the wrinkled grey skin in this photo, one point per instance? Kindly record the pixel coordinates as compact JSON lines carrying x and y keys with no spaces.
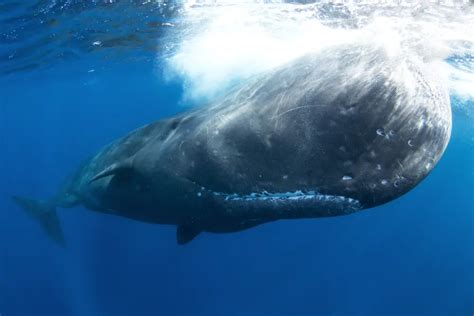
{"x":325,"y":135}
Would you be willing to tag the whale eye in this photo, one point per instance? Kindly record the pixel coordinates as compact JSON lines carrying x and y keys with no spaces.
{"x":174,"y":124}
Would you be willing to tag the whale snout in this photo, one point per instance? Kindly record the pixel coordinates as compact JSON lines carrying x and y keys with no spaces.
{"x":371,"y":131}
{"x":387,"y":141}
{"x":308,"y":141}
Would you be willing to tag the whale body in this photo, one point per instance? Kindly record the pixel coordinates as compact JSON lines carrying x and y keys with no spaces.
{"x":327,"y":134}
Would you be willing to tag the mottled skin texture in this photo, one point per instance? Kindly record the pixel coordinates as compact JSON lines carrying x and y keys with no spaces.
{"x":358,"y":128}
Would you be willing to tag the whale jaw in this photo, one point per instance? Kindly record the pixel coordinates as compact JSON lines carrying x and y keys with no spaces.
{"x":286,"y":205}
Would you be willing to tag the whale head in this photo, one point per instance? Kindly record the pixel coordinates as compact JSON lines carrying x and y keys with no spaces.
{"x":328,"y":134}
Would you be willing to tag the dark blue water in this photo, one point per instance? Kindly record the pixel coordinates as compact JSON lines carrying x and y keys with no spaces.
{"x":412,"y":256}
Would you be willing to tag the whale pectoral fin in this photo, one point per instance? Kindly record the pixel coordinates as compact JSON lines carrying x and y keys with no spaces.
{"x":113,"y":169}
{"x":186,"y":233}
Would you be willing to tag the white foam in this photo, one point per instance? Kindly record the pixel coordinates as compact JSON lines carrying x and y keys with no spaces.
{"x":223,"y":42}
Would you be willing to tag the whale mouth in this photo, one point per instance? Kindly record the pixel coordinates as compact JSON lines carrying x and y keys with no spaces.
{"x":289,"y":204}
{"x":292,"y":204}
{"x":295,"y":196}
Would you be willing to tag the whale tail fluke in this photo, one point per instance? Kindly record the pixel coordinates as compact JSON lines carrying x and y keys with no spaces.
{"x":45,"y":214}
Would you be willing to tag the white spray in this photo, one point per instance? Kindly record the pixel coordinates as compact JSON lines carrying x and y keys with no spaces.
{"x":219,"y":43}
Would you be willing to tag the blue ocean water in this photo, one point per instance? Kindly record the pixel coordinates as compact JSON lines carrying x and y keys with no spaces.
{"x":412,"y":256}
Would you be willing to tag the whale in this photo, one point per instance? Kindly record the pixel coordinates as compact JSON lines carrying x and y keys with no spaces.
{"x":327,"y":134}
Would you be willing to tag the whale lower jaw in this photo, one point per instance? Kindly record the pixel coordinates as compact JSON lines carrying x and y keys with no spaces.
{"x":298,"y":204}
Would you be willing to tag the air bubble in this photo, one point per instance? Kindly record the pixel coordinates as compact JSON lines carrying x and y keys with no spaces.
{"x":410,"y":143}
{"x":381,"y":132}
{"x":199,"y":194}
{"x":346,"y":178}
{"x":384,"y":182}
{"x":391,"y":133}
